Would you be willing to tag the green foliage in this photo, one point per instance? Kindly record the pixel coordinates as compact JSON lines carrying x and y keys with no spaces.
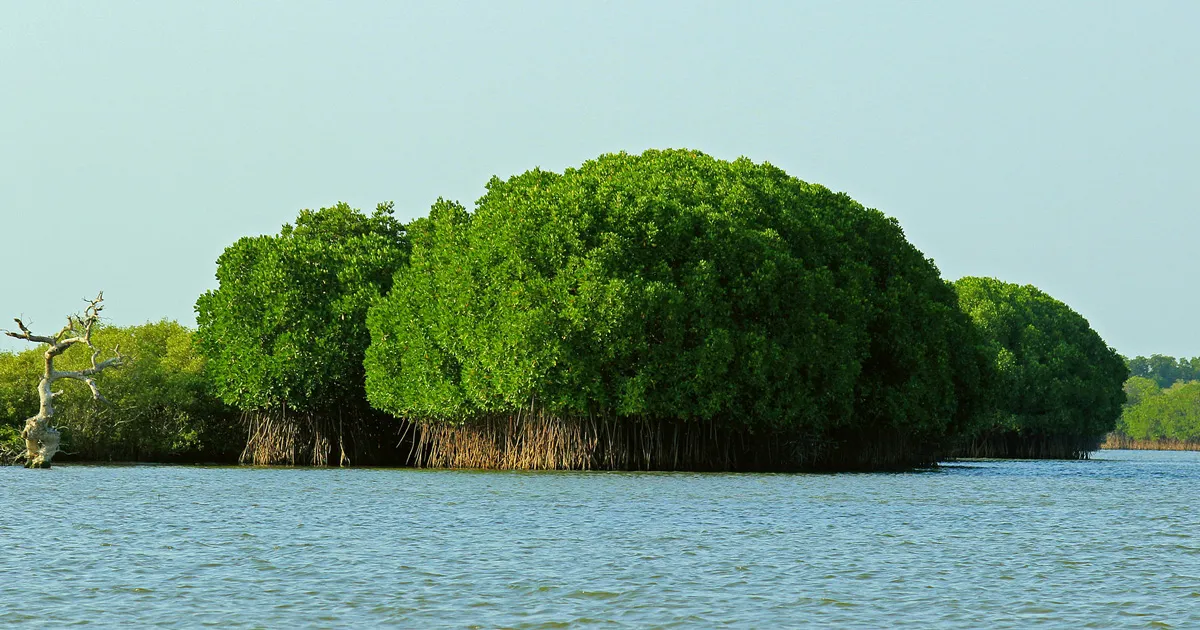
{"x":158,"y":404}
{"x":1054,"y":375}
{"x":12,"y":445}
{"x":1165,"y":371}
{"x":287,"y":325}
{"x":1139,"y":388}
{"x":671,"y":285}
{"x":19,"y":375}
{"x":1168,"y":415}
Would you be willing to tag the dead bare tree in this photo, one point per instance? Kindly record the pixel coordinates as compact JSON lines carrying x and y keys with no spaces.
{"x":41,"y":438}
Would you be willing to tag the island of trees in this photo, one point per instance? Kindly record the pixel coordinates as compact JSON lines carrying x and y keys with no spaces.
{"x":666,"y":310}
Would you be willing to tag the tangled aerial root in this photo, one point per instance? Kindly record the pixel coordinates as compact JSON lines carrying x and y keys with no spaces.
{"x":288,"y":438}
{"x":536,"y":440}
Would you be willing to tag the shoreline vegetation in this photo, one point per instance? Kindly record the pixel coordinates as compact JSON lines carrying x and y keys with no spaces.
{"x":1162,"y":405}
{"x":665,"y":311}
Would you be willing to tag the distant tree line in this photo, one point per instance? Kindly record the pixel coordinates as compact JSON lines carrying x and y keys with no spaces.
{"x":665,"y":310}
{"x":1162,"y":407}
{"x":1165,"y":371}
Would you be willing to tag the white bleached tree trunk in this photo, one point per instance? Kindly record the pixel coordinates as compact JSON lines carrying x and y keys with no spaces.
{"x":41,"y":438}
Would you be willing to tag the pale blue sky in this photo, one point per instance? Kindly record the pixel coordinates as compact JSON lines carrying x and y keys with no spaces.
{"x":1052,"y":143}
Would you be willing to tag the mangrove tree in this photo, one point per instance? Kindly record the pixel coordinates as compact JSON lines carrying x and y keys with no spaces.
{"x":1058,"y":385}
{"x":285,"y":332}
{"x":670,"y":310}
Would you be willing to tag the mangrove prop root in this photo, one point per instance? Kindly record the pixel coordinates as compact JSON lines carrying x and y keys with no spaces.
{"x":535,"y":440}
{"x":1012,"y":445}
{"x":284,"y":437}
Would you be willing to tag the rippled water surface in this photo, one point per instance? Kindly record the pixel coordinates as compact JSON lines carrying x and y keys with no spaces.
{"x":1112,"y":542}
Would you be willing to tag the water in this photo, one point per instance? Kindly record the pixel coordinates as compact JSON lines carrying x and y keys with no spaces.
{"x":1112,"y":542}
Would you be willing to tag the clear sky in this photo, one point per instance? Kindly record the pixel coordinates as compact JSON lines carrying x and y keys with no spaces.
{"x":1050,"y":143}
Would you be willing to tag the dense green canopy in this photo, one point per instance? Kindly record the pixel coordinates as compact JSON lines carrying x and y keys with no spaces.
{"x":287,"y":325}
{"x":672,"y":285}
{"x":1055,"y":377}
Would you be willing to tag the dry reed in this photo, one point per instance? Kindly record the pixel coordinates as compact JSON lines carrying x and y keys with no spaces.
{"x":1117,"y":441}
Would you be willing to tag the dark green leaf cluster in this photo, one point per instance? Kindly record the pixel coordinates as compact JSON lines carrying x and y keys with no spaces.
{"x":1165,"y":371}
{"x":287,"y":325}
{"x":1054,"y":375}
{"x":672,"y":285}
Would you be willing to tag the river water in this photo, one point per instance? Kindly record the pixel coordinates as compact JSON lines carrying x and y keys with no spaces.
{"x":1111,"y":542}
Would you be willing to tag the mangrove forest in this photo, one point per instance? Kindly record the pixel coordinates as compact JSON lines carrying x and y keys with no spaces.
{"x":664,"y":310}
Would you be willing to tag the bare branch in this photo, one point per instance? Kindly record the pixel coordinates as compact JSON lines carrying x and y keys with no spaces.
{"x":91,"y":383}
{"x":91,"y":315}
{"x":96,"y":368}
{"x":78,"y":329}
{"x":87,"y":376}
{"x":26,"y":334}
{"x":66,"y":330}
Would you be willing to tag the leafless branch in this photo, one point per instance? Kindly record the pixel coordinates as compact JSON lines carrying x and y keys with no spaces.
{"x":78,"y":329}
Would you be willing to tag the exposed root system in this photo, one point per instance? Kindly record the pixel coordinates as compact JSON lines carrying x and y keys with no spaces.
{"x":289,"y":438}
{"x":539,"y":441}
{"x":1013,"y":445}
